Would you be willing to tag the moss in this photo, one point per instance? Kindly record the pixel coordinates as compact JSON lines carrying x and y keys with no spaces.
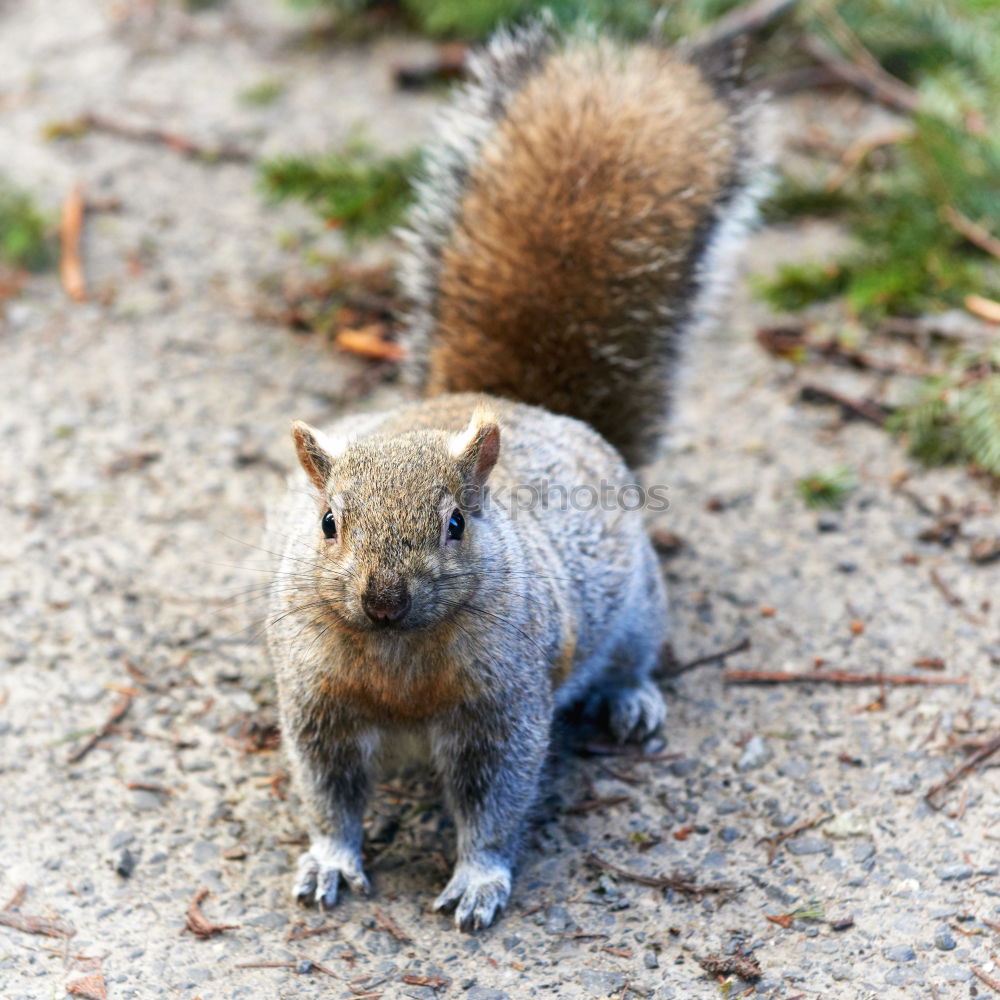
{"x":24,"y":231}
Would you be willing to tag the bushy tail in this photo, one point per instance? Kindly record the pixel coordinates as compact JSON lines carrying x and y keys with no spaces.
{"x":571,"y":226}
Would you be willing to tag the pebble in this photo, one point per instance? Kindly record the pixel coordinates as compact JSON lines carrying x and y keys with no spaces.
{"x":599,"y":983}
{"x":649,"y":959}
{"x":729,"y":834}
{"x":807,"y":845}
{"x":684,"y":767}
{"x":955,"y":871}
{"x":900,"y":953}
{"x":755,"y":754}
{"x":124,"y":863}
{"x":485,"y":993}
{"x":795,"y":768}
{"x":944,"y":940}
{"x":863,"y":852}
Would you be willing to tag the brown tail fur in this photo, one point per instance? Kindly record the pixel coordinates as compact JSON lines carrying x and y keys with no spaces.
{"x":578,"y":251}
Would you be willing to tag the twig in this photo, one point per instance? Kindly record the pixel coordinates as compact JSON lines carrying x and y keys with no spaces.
{"x":70,"y":229}
{"x":987,"y":309}
{"x":864,"y":409}
{"x":946,"y":592}
{"x":266,"y":965}
{"x":196,"y":922}
{"x":368,"y":342}
{"x":832,"y":677}
{"x":972,"y":231}
{"x":384,"y":922}
{"x":117,"y":714}
{"x":987,"y":750}
{"x":858,"y":150}
{"x":178,"y":143}
{"x":989,"y":980}
{"x":747,"y":19}
{"x":677,"y":882}
{"x":717,"y":657}
{"x":36,"y":925}
{"x":303,"y":932}
{"x":434,"y":982}
{"x":871,"y":79}
{"x":18,"y":898}
{"x":594,"y":805}
{"x":774,"y":842}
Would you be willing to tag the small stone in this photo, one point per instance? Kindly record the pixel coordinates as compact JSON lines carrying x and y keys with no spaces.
{"x":863,"y":852}
{"x":557,"y":919}
{"x":795,"y":768}
{"x":684,"y":767}
{"x":649,"y":959}
{"x":826,"y":523}
{"x":124,"y":863}
{"x":955,"y":872}
{"x":599,"y":983}
{"x":944,"y":940}
{"x":304,"y":967}
{"x":841,"y":973}
{"x":729,"y":834}
{"x":900,"y":953}
{"x":755,"y":754}
{"x":807,"y":845}
{"x":485,"y":993}
{"x":727,"y":806}
{"x":272,"y":919}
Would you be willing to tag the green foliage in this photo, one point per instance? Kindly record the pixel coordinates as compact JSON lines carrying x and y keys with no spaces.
{"x":263,"y":93}
{"x":798,"y":285}
{"x":953,"y":419}
{"x":476,"y":19}
{"x":364,"y":194}
{"x":900,"y":202}
{"x":23,"y":231}
{"x":826,"y":489}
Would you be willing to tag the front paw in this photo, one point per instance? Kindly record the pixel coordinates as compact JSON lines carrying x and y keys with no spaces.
{"x":478,"y":892}
{"x":320,"y":870}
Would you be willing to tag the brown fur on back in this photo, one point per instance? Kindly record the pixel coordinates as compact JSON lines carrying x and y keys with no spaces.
{"x":573,"y":259}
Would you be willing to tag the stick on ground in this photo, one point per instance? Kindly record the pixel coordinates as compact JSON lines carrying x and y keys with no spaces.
{"x":677,"y":882}
{"x":117,"y":714}
{"x":985,"y":751}
{"x":833,"y":677}
{"x":70,"y":231}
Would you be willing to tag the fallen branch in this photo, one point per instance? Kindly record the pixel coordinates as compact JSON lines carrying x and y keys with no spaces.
{"x":989,"y":980}
{"x":973,"y":232}
{"x":870,"y":79}
{"x":70,"y":230}
{"x":863,"y":409}
{"x":747,"y":19}
{"x":717,"y":657}
{"x":36,"y":925}
{"x":775,"y":841}
{"x":117,"y":714}
{"x":595,"y":805}
{"x":150,"y":134}
{"x":987,"y":309}
{"x":832,"y":677}
{"x":384,"y":922}
{"x":677,"y":882}
{"x":368,"y":342}
{"x":985,"y":751}
{"x":197,"y":923}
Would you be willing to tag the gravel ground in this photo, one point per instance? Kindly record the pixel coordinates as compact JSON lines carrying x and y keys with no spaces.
{"x":143,"y":434}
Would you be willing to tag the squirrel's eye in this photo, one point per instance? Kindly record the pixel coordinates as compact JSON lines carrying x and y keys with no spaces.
{"x":456,"y":526}
{"x":329,"y":525}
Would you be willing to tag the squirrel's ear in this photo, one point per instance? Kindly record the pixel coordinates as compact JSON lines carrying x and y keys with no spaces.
{"x":477,"y":448}
{"x":314,"y":458}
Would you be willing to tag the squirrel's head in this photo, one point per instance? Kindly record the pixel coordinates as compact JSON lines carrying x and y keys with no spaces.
{"x":397,"y":522}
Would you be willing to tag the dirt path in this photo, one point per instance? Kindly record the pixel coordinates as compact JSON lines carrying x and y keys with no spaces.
{"x":144,"y":432}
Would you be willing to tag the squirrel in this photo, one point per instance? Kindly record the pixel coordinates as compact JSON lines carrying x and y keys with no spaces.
{"x":570,"y":228}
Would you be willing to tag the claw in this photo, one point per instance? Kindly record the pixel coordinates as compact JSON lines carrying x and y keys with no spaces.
{"x":320,"y":870}
{"x":478,"y":893}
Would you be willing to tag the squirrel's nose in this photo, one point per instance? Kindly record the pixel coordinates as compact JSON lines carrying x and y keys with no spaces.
{"x":386,"y":604}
